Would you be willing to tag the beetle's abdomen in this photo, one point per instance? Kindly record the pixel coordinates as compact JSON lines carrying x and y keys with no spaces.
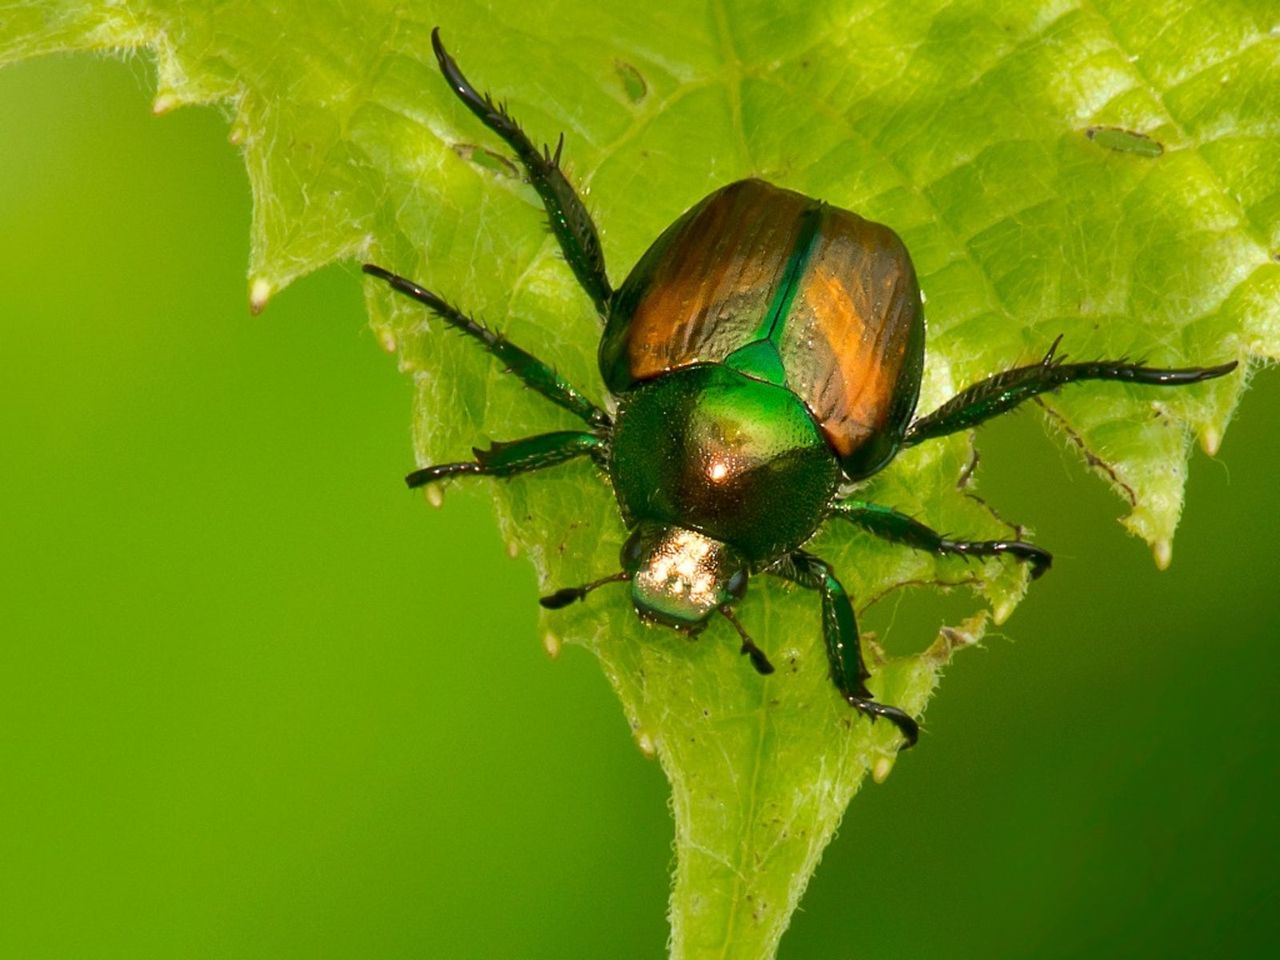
{"x":788,"y":290}
{"x":713,"y":450}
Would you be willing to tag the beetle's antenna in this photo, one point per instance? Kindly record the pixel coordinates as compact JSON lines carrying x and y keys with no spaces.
{"x":566,"y":595}
{"x":749,"y":648}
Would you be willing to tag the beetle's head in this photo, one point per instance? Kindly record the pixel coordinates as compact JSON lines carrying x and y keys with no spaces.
{"x":680,"y":577}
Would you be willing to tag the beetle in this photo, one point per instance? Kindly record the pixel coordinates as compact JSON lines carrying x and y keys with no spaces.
{"x":765,"y":353}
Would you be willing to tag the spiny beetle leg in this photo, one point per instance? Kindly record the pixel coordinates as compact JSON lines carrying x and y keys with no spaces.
{"x":898,"y":527}
{"x":899,"y":718}
{"x":518,"y":456}
{"x":840,"y":632}
{"x":570,"y":222}
{"x":1004,"y":391}
{"x":524,"y":365}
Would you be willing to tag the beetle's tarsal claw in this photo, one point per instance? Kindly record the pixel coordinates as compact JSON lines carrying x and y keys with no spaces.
{"x":562,"y":598}
{"x":899,"y":718}
{"x":758,"y":659}
{"x":1041,"y":561}
{"x":566,"y":595}
{"x":1039,"y":558}
{"x":749,"y":648}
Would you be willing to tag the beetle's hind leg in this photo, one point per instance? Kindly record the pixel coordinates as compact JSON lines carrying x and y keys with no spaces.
{"x":840,"y":632}
{"x":1004,"y":391}
{"x":524,"y":365}
{"x":898,"y":527}
{"x":570,"y":221}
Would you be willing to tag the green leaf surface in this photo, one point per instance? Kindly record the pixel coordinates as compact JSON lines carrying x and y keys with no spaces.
{"x":1104,"y":171}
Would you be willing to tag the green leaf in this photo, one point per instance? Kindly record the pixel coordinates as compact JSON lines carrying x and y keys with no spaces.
{"x":1103,"y":171}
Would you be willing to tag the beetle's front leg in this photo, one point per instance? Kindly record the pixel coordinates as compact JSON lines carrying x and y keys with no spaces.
{"x":517,"y":456}
{"x":840,"y":632}
{"x":898,"y":527}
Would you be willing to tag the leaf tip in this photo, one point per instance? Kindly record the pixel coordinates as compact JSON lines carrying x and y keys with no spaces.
{"x":881,"y":769}
{"x":165,"y":101}
{"x":259,"y":293}
{"x":950,"y":639}
{"x":1162,"y":550}
{"x":645,"y":741}
{"x":434,"y":495}
{"x":1210,"y":441}
{"x":551,"y":643}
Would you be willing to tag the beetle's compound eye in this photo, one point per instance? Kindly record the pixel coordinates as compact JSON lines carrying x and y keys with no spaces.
{"x":633,"y":550}
{"x":737,"y":585}
{"x":682,"y":576}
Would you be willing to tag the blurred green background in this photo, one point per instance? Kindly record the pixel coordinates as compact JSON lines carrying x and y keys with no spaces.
{"x":256,"y":700}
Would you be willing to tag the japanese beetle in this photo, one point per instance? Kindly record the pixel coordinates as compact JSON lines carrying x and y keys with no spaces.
{"x":766,"y":351}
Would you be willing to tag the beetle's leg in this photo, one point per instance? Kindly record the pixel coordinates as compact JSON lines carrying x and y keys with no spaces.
{"x":567,"y":595}
{"x":759,"y":659}
{"x":569,"y":219}
{"x":1004,"y":391}
{"x":517,"y":456}
{"x":527,"y":367}
{"x":898,"y":527}
{"x":840,"y":631}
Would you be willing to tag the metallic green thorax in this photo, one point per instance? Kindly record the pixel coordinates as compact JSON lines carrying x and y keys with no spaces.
{"x":710,"y":449}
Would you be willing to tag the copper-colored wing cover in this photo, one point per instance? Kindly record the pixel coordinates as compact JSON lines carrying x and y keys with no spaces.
{"x":834,"y":293}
